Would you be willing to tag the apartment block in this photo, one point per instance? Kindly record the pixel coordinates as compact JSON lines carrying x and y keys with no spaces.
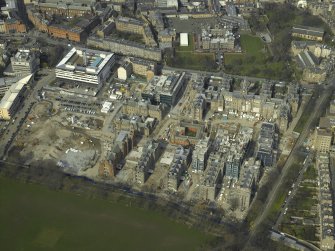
{"x":181,"y":160}
{"x":165,"y":89}
{"x":13,"y":98}
{"x":144,"y":68}
{"x":144,"y":108}
{"x":200,"y":156}
{"x":130,"y":25}
{"x":126,"y":48}
{"x":212,"y":177}
{"x":151,"y":151}
{"x":267,"y":144}
{"x":323,"y":139}
{"x":25,"y":62}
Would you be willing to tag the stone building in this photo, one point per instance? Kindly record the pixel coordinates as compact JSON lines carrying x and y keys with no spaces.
{"x":138,"y":124}
{"x":146,"y":164}
{"x":213,"y":40}
{"x":144,"y":108}
{"x":144,"y":68}
{"x":15,"y":25}
{"x":165,"y":89}
{"x":106,"y":29}
{"x":130,"y":25}
{"x":72,"y":34}
{"x":25,"y":62}
{"x":166,"y":38}
{"x":212,"y":178}
{"x":181,"y":160}
{"x":14,"y":97}
{"x":125,"y":47}
{"x":186,"y":133}
{"x":200,"y":156}
{"x":307,"y":32}
{"x":68,"y":9}
{"x":322,"y":140}
{"x":122,"y":145}
{"x":246,"y":186}
{"x":198,"y":107}
{"x":106,"y":170}
{"x":267,"y":144}
{"x":314,"y":75}
{"x":38,"y":20}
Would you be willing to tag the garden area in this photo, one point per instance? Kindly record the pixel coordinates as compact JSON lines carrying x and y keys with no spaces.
{"x":273,"y":61}
{"x":255,"y":60}
{"x":186,"y":57}
{"x":302,"y":218}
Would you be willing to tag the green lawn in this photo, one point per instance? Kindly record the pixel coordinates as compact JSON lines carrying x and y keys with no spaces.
{"x":302,"y":205}
{"x":250,"y":44}
{"x":186,"y":57}
{"x":311,"y":173}
{"x":128,"y":36}
{"x":254,"y":61}
{"x":35,"y":218}
{"x":302,"y":232}
{"x":190,"y":46}
{"x":193,"y":60}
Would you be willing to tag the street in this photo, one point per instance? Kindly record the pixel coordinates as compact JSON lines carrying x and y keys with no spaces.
{"x":320,"y":105}
{"x":219,"y":74}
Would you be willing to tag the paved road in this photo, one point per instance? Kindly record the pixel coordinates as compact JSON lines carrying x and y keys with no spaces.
{"x":290,"y":240}
{"x":14,"y":127}
{"x":321,"y":102}
{"x":220,"y":73}
{"x":110,"y":117}
{"x":39,"y":35}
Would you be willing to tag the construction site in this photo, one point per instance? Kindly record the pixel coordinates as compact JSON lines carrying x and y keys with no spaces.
{"x":43,"y":137}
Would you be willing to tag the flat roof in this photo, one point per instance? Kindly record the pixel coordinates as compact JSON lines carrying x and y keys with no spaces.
{"x":10,"y":95}
{"x":85,"y":60}
{"x":307,"y":30}
{"x":184,"y":39}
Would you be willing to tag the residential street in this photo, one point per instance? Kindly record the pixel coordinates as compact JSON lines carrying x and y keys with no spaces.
{"x":321,"y":103}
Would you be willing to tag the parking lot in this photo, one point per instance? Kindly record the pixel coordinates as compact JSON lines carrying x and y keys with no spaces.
{"x":193,"y":25}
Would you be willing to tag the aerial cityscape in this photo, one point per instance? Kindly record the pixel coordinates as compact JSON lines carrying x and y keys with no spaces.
{"x":183,"y":124}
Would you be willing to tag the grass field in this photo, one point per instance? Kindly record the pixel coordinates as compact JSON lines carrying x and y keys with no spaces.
{"x":190,"y":46}
{"x":35,"y":218}
{"x":193,"y":60}
{"x":253,"y":45}
{"x":254,"y":61}
{"x":311,"y":172}
{"x":186,"y":57}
